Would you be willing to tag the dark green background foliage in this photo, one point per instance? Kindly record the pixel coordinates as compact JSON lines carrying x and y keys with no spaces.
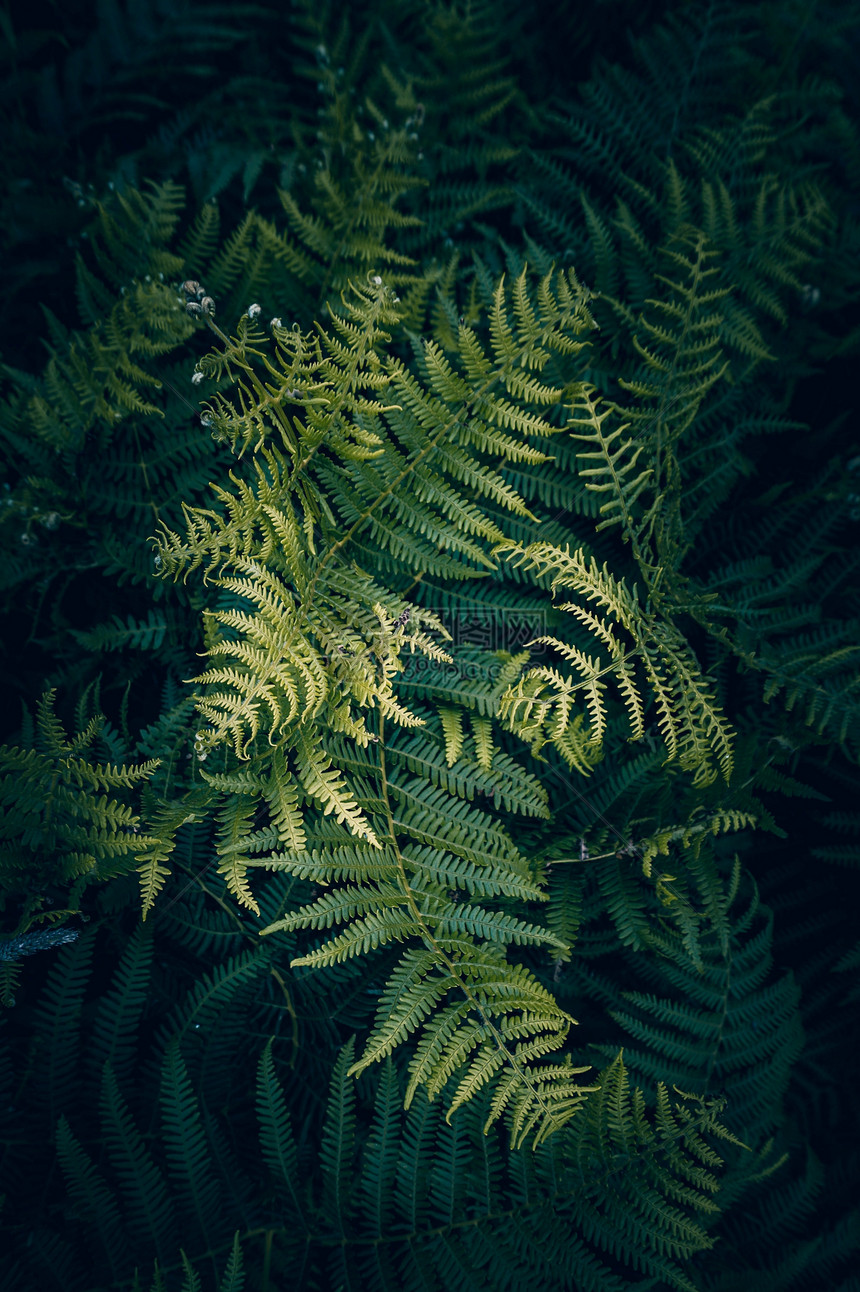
{"x":431,"y":698}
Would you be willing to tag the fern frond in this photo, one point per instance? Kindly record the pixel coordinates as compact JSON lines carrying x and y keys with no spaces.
{"x":185,"y":1144}
{"x":541,"y":706}
{"x":147,"y":1203}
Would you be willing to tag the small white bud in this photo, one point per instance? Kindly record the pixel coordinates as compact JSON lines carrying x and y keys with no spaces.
{"x":196,"y":378}
{"x":376,"y":280}
{"x":254,"y":311}
{"x":276,"y":322}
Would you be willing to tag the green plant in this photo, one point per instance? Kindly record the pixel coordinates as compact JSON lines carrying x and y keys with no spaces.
{"x":450,"y":656}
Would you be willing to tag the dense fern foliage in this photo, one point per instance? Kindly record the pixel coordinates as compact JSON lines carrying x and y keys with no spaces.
{"x":432,"y":694}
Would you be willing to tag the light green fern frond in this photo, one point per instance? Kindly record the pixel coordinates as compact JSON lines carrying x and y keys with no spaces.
{"x":545,"y":706}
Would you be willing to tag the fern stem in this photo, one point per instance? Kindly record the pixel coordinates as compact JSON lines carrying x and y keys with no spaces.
{"x":267,"y":1259}
{"x":712,"y":1060}
{"x":291,"y":1010}
{"x":145,"y":474}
